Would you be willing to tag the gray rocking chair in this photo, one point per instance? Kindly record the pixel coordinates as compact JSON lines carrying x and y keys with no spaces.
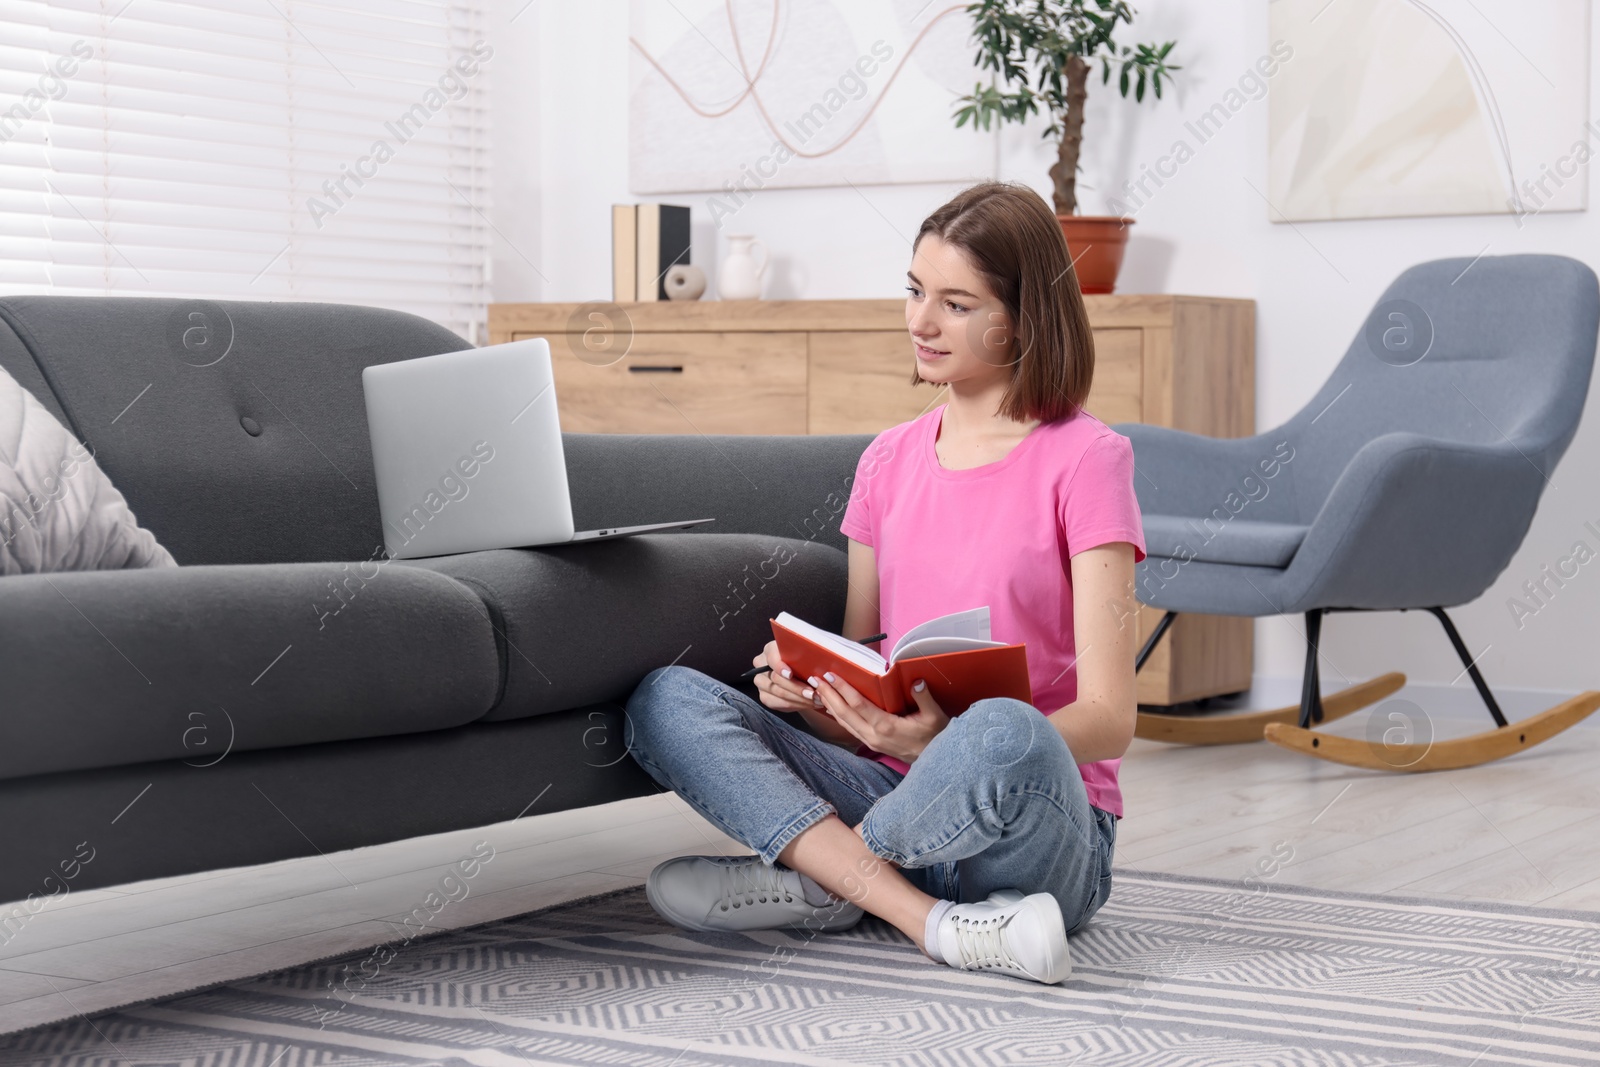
{"x":1407,"y":482}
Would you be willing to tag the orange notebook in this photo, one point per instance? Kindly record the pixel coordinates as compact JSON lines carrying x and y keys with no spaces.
{"x":953,"y":652}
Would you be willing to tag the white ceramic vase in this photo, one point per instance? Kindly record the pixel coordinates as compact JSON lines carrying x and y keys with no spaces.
{"x":740,"y":276}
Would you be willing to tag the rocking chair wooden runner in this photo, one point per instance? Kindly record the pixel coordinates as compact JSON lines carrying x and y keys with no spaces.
{"x":1407,"y":483}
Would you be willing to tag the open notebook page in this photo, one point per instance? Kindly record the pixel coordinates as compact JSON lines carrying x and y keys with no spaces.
{"x":934,"y":644}
{"x":972,"y":624}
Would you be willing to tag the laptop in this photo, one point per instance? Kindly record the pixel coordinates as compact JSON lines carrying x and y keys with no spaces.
{"x":467,"y":450}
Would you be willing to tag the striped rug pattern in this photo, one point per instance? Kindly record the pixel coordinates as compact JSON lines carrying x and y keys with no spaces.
{"x":1172,"y":971}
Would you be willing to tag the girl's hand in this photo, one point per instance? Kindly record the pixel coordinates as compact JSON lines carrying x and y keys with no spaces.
{"x":901,"y":736}
{"x":779,"y":689}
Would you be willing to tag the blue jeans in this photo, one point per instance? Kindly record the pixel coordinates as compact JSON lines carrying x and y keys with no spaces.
{"x":994,"y":802}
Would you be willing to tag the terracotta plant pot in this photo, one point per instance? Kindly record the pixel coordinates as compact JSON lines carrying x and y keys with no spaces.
{"x":1096,"y":243}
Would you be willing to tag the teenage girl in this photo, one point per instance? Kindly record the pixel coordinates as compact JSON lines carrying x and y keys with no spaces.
{"x":986,"y":838}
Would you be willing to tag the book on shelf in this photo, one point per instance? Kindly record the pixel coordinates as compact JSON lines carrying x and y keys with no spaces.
{"x":646,"y":239}
{"x":624,"y":253}
{"x":663,"y":240}
{"x":954,"y":653}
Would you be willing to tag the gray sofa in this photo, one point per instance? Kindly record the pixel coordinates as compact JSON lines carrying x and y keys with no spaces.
{"x":288,"y":690}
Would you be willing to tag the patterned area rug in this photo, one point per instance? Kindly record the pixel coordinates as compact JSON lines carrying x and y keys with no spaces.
{"x":1172,"y":971}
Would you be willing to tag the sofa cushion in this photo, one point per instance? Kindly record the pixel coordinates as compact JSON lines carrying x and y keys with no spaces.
{"x":1242,"y":541}
{"x":236,"y":430}
{"x":58,"y":510}
{"x":584,"y":623}
{"x":106,"y":668}
{"x":792,"y":485}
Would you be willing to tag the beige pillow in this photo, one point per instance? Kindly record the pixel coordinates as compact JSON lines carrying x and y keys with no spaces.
{"x":58,"y":510}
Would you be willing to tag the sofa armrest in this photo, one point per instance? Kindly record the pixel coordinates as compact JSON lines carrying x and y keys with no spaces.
{"x":779,"y":485}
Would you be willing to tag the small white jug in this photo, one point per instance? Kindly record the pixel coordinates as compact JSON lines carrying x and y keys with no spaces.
{"x":740,"y":275}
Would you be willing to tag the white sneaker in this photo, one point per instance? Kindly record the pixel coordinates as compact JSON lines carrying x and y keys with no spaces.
{"x":1014,"y":934}
{"x":743,"y":893}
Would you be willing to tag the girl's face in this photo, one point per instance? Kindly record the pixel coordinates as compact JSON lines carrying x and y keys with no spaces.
{"x":959,"y":326}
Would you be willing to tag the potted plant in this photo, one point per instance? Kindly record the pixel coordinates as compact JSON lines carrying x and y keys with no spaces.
{"x":1044,"y":52}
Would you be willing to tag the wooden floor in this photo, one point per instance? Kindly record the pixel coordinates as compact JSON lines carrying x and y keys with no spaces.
{"x":1522,"y":830}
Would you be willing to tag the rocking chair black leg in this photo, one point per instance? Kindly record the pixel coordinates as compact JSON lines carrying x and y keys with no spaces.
{"x":1311,"y":680}
{"x":1472,"y":668}
{"x":1154,"y":639}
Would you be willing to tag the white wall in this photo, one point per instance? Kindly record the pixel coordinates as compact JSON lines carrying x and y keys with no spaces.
{"x":517,"y":187}
{"x":562,"y":127}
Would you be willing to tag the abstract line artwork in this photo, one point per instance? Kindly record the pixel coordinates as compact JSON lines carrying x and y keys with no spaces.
{"x":1449,"y":107}
{"x":728,"y":95}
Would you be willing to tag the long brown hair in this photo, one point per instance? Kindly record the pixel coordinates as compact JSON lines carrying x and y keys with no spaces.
{"x":1015,"y":242}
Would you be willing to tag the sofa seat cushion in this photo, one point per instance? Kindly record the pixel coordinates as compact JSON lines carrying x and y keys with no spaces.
{"x":105,"y":668}
{"x":1253,"y":544}
{"x":584,"y":623}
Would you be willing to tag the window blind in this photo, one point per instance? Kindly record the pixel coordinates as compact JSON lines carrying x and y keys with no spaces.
{"x":327,"y":150}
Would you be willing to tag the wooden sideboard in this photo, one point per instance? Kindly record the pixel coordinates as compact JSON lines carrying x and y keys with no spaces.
{"x":844,"y":366}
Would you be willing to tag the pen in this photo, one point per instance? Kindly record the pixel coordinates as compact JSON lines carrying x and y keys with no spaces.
{"x":753,"y":671}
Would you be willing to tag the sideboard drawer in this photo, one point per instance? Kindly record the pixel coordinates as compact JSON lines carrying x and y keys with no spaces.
{"x":1117,"y":392}
{"x":861,"y":382}
{"x":745,"y":383}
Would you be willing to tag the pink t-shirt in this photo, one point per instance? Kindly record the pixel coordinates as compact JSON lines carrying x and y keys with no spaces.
{"x":1001,"y":534}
